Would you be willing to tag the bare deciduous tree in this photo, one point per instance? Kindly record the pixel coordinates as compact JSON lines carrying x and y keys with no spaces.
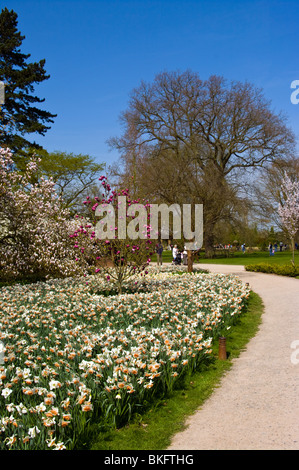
{"x":211,"y":130}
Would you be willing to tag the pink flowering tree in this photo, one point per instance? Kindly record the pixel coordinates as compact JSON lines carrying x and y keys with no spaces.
{"x":34,"y":227}
{"x":289,"y":209}
{"x":114,"y":241}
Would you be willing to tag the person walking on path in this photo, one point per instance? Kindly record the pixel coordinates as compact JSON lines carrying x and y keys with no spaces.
{"x":159,"y":251}
{"x":174,"y":253}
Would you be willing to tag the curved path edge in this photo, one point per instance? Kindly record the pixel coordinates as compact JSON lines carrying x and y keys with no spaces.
{"x":256,"y":406}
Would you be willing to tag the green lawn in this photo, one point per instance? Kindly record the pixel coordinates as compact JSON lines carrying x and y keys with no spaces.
{"x":238,"y":258}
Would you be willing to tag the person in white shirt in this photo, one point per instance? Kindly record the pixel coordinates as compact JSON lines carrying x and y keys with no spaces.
{"x":174,"y":252}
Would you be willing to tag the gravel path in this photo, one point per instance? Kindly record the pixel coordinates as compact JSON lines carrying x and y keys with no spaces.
{"x":256,"y":406}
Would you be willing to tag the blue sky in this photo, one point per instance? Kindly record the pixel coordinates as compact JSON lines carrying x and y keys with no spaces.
{"x":97,"y":51}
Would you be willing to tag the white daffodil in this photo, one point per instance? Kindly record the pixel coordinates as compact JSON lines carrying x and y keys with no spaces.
{"x":33,"y":432}
{"x":21,"y":409}
{"x":6,"y":392}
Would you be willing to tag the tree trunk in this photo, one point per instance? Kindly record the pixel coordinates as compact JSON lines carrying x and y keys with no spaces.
{"x":209,"y":243}
{"x":190,"y":261}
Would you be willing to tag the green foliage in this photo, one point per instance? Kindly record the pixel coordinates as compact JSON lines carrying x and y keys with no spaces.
{"x":281,"y":270}
{"x":19,"y":114}
{"x":22,"y":280}
{"x":73,"y":174}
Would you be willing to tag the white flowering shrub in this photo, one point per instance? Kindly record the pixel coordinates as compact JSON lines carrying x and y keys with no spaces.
{"x":289,"y":209}
{"x":34,"y":227}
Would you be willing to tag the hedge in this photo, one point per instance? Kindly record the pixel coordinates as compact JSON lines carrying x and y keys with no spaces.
{"x":281,"y":270}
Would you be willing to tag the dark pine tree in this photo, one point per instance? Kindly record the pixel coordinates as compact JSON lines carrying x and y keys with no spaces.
{"x":19,"y":115}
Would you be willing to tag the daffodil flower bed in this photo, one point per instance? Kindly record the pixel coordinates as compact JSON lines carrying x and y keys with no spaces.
{"x":74,"y":356}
